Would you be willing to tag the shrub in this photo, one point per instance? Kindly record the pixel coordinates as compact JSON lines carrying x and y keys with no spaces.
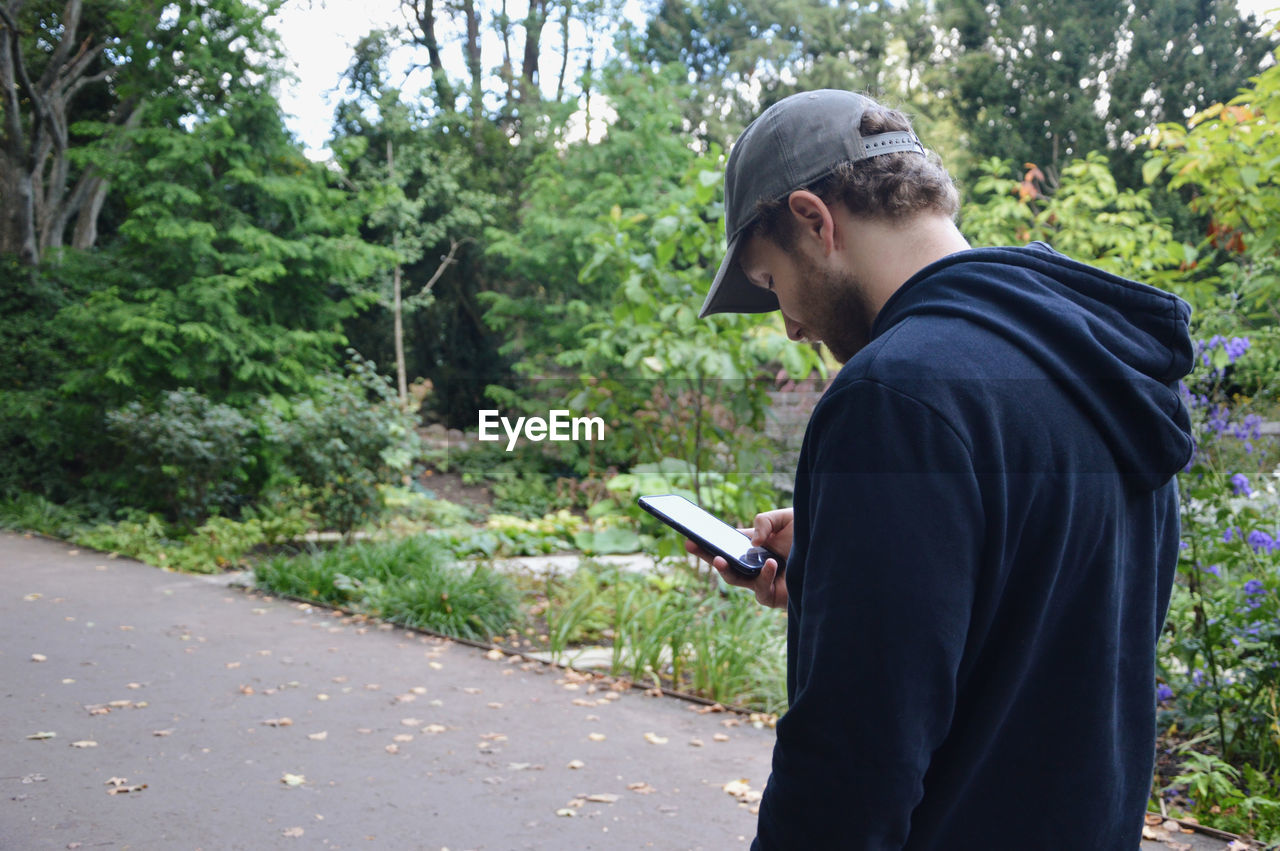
{"x":187,"y":458}
{"x":342,"y":443}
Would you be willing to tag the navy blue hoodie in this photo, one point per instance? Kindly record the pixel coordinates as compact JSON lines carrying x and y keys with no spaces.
{"x":986,"y":530}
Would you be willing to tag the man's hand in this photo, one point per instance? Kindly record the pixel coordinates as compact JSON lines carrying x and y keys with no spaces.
{"x":772,"y":530}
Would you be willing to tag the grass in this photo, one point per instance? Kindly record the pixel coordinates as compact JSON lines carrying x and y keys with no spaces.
{"x":673,"y":626}
{"x":410,"y":581}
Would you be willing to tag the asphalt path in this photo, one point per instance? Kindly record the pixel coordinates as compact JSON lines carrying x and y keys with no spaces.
{"x":188,"y":715}
{"x":143,"y":709}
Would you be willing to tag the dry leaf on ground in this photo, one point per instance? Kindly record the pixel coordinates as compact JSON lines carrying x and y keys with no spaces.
{"x":655,"y":739}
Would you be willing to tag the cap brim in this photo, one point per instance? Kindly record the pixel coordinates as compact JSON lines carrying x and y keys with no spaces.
{"x":731,"y":292}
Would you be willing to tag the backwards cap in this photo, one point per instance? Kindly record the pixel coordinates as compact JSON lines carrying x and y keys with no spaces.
{"x":793,"y":143}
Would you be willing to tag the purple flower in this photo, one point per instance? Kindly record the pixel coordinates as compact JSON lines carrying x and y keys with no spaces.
{"x":1214,"y":569}
{"x":1262,"y":542}
{"x":1240,"y":484}
{"x":1253,"y":587}
{"x":1163,"y":692}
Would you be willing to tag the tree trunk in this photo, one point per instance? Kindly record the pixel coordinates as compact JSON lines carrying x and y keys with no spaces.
{"x":564,"y":56}
{"x":425,"y":14}
{"x":533,"y":24}
{"x":397,"y":310}
{"x":474,"y":67}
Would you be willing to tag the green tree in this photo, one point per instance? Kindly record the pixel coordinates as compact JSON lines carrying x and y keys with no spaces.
{"x":77,"y":77}
{"x":416,"y":196}
{"x":1046,"y":83}
{"x":1225,"y":156}
{"x":234,"y":267}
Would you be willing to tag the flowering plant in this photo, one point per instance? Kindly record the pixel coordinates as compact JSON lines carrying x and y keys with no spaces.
{"x":1219,"y":685}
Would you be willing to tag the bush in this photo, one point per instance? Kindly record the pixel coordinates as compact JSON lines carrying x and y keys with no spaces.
{"x":188,"y":458}
{"x":342,"y":443}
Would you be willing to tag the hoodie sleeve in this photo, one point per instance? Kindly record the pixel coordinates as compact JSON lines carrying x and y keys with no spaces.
{"x":889,"y":538}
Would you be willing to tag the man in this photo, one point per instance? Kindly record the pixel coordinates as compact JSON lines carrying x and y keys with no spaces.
{"x":985,"y":525}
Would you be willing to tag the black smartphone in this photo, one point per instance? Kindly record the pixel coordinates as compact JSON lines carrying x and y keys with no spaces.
{"x":710,"y":532}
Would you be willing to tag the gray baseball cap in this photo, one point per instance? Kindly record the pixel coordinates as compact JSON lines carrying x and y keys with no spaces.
{"x":793,"y":143}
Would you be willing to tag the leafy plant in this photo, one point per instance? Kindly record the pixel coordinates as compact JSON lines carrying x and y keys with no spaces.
{"x":187,"y":456}
{"x":409,"y":581}
{"x":351,"y":437}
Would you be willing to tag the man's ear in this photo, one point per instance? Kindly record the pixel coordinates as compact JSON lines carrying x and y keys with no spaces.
{"x":814,"y":219}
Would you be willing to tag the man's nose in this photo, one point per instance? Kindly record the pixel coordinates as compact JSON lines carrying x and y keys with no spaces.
{"x":794,"y":331}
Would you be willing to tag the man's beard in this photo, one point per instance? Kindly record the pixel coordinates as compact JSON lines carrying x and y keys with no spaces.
{"x":841,"y":314}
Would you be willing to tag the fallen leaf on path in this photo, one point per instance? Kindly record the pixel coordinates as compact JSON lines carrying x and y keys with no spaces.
{"x":641,"y":788}
{"x":602,"y":798}
{"x":292,"y":832}
{"x":402,"y":737}
{"x":39,"y":737}
{"x":162,"y":732}
{"x":566,"y":812}
{"x":596,"y":737}
{"x":278,"y":722}
{"x":470,"y":690}
{"x":434,"y":728}
{"x":30,"y":598}
{"x":436,"y":666}
{"x":393,"y":749}
{"x":84,"y":743}
{"x":492,"y":656}
{"x":322,"y":697}
{"x":39,"y":657}
{"x":695,"y":743}
{"x":742,"y":790}
{"x":411,"y":722}
{"x":119,"y":786}
{"x":655,"y":739}
{"x":124,"y":790}
{"x":575,"y":764}
{"x":703,"y":710}
{"x":293,"y":779}
{"x":495,"y":705}
{"x":720,"y":737}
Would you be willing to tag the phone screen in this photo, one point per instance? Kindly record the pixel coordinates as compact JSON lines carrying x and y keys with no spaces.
{"x":707,"y":529}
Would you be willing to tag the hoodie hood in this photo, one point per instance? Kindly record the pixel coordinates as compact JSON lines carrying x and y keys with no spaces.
{"x":1119,"y":347}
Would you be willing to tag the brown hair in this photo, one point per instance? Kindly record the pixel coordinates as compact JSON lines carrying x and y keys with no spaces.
{"x":889,"y":186}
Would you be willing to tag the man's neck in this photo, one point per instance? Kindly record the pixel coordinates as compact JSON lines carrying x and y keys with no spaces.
{"x":885,"y":253}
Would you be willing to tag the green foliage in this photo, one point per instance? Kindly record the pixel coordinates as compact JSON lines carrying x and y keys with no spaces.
{"x":1226,"y":155}
{"x":409,"y":582}
{"x":673,"y":627}
{"x":235,"y":267}
{"x":188,"y":456}
{"x":343,"y":442}
{"x":1085,"y":215}
{"x":667,"y":384}
{"x":1045,"y":83}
